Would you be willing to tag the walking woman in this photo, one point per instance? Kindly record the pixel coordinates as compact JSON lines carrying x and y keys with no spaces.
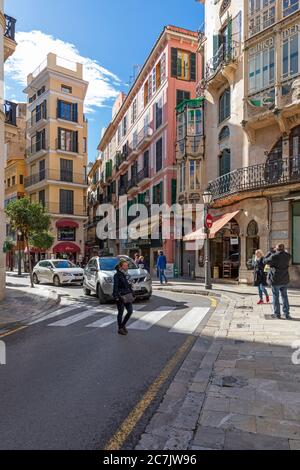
{"x":123,"y":296}
{"x":260,"y":277}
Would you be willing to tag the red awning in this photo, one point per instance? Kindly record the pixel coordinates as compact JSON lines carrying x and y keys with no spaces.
{"x":66,"y":223}
{"x":66,"y":247}
{"x":219,"y":223}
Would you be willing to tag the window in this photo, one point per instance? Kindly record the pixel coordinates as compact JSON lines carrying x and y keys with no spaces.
{"x":66,"y":199}
{"x":39,"y":141}
{"x":195,"y":122}
{"x":224,"y":106}
{"x":42,"y":170}
{"x":158,"y":194}
{"x":66,"y":170}
{"x":119,"y":134}
{"x":224,"y":134}
{"x":42,"y":198}
{"x":183,"y":64}
{"x":134,"y":112}
{"x":66,"y":234}
{"x":252,"y":243}
{"x":67,"y":140}
{"x":67,"y":111}
{"x":289,"y":7}
{"x":158,"y":114}
{"x":66,"y":89}
{"x":32,"y":99}
{"x":181,"y":131}
{"x":296,"y":233}
{"x":262,"y":68}
{"x":261,"y":15}
{"x":290,"y":56}
{"x":39,"y":113}
{"x":181,"y":96}
{"x":21,"y":179}
{"x":124,"y":126}
{"x":41,"y":91}
{"x":159,"y":154}
{"x":225,"y":164}
{"x":194,"y":175}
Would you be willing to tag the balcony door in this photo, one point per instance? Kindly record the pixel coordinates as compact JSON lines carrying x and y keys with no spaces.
{"x":66,"y":170}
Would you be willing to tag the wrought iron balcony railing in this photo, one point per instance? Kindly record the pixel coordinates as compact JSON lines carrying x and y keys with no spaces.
{"x":10,"y":111}
{"x":143,"y":174}
{"x":36,"y":147}
{"x":256,"y":177}
{"x":226,"y":54}
{"x":144,"y":137}
{"x":65,"y":209}
{"x":55,"y":175}
{"x":10,"y":27}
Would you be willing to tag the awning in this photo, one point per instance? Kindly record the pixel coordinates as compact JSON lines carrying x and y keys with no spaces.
{"x":218,"y":224}
{"x":66,"y":247}
{"x":66,"y":223}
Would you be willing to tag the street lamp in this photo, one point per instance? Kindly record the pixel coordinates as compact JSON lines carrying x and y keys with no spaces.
{"x":207,"y":199}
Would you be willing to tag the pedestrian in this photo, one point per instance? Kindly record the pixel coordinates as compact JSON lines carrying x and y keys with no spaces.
{"x":260,"y":277}
{"x":136,"y":258}
{"x":123,"y":296}
{"x":142,"y":264}
{"x":279,"y":279}
{"x":162,"y":266}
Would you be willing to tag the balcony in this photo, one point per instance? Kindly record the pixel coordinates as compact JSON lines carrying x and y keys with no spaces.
{"x":56,"y":208}
{"x":143,"y":176}
{"x":37,"y":148}
{"x":257,"y":177}
{"x":38,"y":119}
{"x":68,"y":146}
{"x":9,"y":36}
{"x":220,"y":68}
{"x":144,"y":138}
{"x":191,"y":146}
{"x":56,"y":176}
{"x":121,"y":161}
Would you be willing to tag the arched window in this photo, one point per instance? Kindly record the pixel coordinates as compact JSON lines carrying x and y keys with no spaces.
{"x":224,"y":105}
{"x":252,"y":243}
{"x":224,"y":134}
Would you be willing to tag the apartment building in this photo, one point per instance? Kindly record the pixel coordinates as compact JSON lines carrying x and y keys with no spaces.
{"x":15,"y":167}
{"x":138,"y":147}
{"x":93,"y":245}
{"x":7,"y":48}
{"x":56,"y":156}
{"x":252,"y":126}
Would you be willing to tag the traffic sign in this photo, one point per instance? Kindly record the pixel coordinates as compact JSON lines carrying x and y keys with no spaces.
{"x":209,"y":221}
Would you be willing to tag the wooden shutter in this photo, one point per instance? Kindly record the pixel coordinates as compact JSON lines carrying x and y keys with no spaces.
{"x":161,"y":192}
{"x":174,"y":60}
{"x":75,"y":112}
{"x":75,"y":141}
{"x":193,"y":61}
{"x":174,"y":191}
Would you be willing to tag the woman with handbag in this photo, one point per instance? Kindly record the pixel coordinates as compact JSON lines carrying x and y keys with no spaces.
{"x":260,"y":277}
{"x":123,"y":296}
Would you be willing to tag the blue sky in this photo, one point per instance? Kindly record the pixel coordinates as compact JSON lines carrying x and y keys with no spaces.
{"x":110,"y":35}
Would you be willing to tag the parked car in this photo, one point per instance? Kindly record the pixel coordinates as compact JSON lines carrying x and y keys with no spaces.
{"x":99,"y":278}
{"x":58,"y":271}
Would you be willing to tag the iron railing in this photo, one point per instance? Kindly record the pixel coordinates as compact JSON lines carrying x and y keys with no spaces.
{"x":55,"y":175}
{"x":143,"y":174}
{"x":10,"y":27}
{"x":10,"y":111}
{"x":226,"y":53}
{"x":71,"y":146}
{"x":256,"y":177}
{"x":65,"y":209}
{"x":38,"y":146}
{"x":37,"y":116}
{"x":144,"y":136}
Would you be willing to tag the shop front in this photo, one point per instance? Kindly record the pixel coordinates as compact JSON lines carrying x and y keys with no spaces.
{"x":67,"y":250}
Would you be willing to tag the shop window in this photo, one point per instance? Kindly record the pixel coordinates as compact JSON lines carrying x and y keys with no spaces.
{"x":66,"y":234}
{"x":296,"y":233}
{"x":252,"y":243}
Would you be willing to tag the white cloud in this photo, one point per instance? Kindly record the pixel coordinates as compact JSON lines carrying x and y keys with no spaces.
{"x":32,"y":50}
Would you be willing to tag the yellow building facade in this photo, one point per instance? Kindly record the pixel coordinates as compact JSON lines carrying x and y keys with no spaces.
{"x":56,"y":155}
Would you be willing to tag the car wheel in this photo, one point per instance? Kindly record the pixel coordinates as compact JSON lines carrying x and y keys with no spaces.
{"x":86,"y":291}
{"x":35,"y":279}
{"x":100,"y":295}
{"x":56,"y":281}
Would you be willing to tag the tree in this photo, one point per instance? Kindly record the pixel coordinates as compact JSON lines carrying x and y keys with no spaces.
{"x":29,"y":219}
{"x":41,"y":240}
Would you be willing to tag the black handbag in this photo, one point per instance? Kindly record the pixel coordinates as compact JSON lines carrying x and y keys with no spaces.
{"x":127,"y":299}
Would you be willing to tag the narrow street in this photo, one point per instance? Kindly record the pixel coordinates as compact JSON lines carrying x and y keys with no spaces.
{"x":80,"y":380}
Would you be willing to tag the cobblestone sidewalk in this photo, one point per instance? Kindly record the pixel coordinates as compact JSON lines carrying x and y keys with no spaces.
{"x":238,"y":388}
{"x":21,"y":305}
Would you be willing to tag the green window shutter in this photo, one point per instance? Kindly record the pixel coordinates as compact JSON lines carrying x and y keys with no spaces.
{"x":174,"y":191}
{"x":174,"y":55}
{"x":161,"y":192}
{"x":193,"y":67}
{"x":216,"y":43}
{"x":229,"y":46}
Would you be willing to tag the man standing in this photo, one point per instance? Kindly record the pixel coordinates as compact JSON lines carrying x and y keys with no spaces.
{"x":162,"y":266}
{"x":279,"y":278}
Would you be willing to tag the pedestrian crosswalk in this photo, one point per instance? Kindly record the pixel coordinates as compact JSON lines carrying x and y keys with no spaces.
{"x":184,"y":321}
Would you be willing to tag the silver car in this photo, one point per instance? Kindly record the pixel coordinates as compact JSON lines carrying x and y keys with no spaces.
{"x":59,"y":272}
{"x":99,"y":278}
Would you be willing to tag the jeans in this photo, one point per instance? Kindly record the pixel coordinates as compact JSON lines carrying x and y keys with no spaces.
{"x":162,"y":276}
{"x":261,"y":291}
{"x":121,"y":307}
{"x":280,"y":290}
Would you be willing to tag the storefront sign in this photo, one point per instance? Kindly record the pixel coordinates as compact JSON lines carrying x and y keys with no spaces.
{"x":261,"y":46}
{"x":290,"y":31}
{"x":234,"y":241}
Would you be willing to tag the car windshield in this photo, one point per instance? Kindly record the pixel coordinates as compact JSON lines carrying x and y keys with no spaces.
{"x":63,"y":264}
{"x":109,"y":264}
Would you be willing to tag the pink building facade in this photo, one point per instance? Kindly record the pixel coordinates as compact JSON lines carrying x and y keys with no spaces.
{"x":138,"y":147}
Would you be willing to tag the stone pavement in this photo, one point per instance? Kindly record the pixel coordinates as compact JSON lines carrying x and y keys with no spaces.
{"x":22,"y":303}
{"x":238,"y":388}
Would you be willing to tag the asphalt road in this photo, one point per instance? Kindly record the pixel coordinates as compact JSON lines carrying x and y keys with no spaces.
{"x":71,"y":380}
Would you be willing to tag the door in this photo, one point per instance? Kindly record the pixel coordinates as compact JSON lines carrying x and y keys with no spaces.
{"x":94,"y":274}
{"x":42,"y":271}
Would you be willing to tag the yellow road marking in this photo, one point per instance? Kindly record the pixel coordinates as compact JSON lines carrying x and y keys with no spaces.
{"x":118,"y":440}
{"x":13,"y":331}
{"x":214,"y":302}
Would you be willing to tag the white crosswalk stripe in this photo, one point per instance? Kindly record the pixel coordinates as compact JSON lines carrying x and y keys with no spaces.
{"x":151,"y":318}
{"x":56,"y":313}
{"x":75,"y":318}
{"x":189,"y":323}
{"x":110,"y":319}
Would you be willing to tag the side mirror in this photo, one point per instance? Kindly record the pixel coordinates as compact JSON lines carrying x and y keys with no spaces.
{"x":94,"y":270}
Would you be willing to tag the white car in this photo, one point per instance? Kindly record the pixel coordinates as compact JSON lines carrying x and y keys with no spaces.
{"x":58,"y":271}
